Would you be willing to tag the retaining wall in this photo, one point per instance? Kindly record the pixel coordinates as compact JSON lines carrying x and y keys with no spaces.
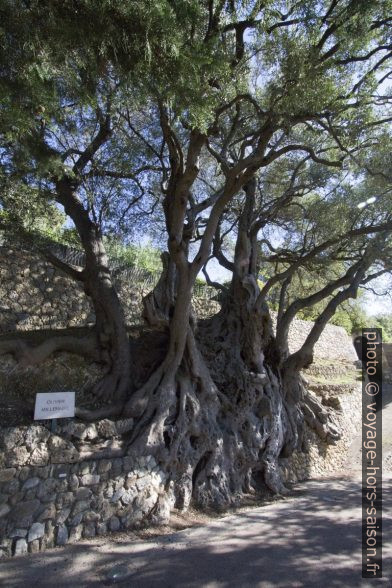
{"x":321,"y":458}
{"x":59,"y":488}
{"x":51,"y":495}
{"x":35,"y":295}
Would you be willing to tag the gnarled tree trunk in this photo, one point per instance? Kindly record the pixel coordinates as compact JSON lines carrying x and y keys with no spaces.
{"x":215,"y":413}
{"x":244,"y":368}
{"x":218,"y":412}
{"x":96,"y":277}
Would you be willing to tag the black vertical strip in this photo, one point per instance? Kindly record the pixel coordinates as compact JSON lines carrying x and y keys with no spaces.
{"x":371,"y":453}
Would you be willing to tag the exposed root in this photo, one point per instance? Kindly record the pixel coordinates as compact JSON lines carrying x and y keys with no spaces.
{"x":320,"y":419}
{"x":27,"y":355}
{"x":99,"y":413}
{"x":113,"y":386}
{"x":137,"y":404}
{"x":211,"y":439}
{"x":276,"y":439}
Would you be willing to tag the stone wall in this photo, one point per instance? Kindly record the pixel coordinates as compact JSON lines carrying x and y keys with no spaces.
{"x":78,"y":482}
{"x":320,"y":458}
{"x":56,"y":488}
{"x":44,"y":503}
{"x":334,"y":344}
{"x":338,"y":386}
{"x":35,"y":295}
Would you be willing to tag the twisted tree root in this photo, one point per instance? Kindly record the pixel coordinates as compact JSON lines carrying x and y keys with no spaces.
{"x":28,"y":355}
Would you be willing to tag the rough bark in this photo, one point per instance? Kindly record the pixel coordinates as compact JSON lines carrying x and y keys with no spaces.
{"x":243,"y":367}
{"x":110,"y":321}
{"x":158,"y":305}
{"x":217,"y":413}
{"x":28,"y":354}
{"x":110,"y":325}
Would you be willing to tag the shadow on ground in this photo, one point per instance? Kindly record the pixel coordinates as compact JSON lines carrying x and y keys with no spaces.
{"x":311,"y":539}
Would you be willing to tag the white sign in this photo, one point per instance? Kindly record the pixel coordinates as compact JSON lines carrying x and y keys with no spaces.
{"x":54,"y":405}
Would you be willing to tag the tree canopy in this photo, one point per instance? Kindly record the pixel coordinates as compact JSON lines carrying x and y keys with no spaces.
{"x":248,"y":132}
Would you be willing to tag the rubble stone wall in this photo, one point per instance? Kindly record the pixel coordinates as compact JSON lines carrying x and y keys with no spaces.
{"x":35,"y":295}
{"x":56,"y":488}
{"x":321,"y":458}
{"x":51,"y":495}
{"x":334,"y":343}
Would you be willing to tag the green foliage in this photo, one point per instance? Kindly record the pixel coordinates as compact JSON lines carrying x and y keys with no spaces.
{"x":144,"y":257}
{"x":54,"y":54}
{"x":384,"y":322}
{"x":64,"y":65}
{"x":350,"y":316}
{"x":22,"y":206}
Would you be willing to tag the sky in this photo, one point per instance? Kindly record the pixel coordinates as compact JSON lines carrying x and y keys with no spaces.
{"x":372,"y":304}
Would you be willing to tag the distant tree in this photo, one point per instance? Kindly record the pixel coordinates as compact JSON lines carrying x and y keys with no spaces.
{"x":384,"y":321}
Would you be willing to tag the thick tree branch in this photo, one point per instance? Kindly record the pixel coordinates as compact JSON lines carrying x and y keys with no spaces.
{"x":304,"y":356}
{"x":100,"y":139}
{"x":272,"y":155}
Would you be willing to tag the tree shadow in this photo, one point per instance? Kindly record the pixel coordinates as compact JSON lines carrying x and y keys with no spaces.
{"x":311,"y":539}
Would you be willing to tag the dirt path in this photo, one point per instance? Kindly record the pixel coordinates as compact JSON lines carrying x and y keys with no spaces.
{"x":309,"y":540}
